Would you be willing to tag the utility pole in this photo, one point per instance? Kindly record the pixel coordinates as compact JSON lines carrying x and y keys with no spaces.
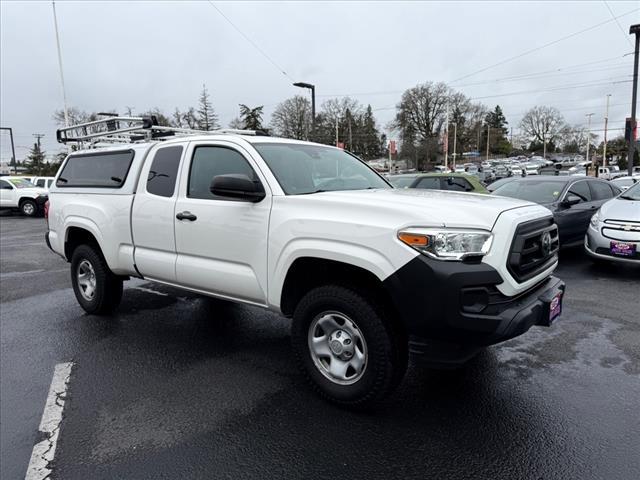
{"x":544,"y":144}
{"x":350,"y":136}
{"x":64,"y":94}
{"x":336,"y":131}
{"x":488,"y":130}
{"x":38,"y":137}
{"x":446,"y":137}
{"x":455,"y":134}
{"x":588,"y":115}
{"x":13,"y":150}
{"x":635,"y":29}
{"x":606,"y":123}
{"x":511,"y":137}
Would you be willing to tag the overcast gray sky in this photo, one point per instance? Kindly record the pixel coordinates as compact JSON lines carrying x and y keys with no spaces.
{"x":159,"y":53}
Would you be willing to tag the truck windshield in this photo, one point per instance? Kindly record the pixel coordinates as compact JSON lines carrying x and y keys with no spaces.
{"x":302,"y":169}
{"x":534,"y":191}
{"x":21,"y":183}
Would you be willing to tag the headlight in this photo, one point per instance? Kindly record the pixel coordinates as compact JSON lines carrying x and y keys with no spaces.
{"x":445,"y":244}
{"x":595,"y":220}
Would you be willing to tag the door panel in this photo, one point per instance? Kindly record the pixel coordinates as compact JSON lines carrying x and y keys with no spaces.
{"x":154,"y":215}
{"x":224,"y":249}
{"x":7,"y":195}
{"x":574,"y":220}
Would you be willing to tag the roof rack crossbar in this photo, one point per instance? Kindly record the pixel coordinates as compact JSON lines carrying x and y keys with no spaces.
{"x":133,"y":129}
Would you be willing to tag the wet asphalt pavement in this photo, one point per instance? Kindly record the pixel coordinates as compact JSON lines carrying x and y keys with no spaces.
{"x":179,"y":386}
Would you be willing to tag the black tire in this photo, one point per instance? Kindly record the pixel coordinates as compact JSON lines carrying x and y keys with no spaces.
{"x":28,"y":208}
{"x":108,"y":287}
{"x":386,"y":346}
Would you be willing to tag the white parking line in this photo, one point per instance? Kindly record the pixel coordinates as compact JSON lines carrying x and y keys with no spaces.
{"x":44,"y":451}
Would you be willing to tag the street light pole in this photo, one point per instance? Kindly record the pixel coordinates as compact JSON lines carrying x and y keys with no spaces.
{"x":313,"y":105}
{"x":635,"y":29}
{"x":64,"y":94}
{"x":13,"y":150}
{"x":606,"y":123}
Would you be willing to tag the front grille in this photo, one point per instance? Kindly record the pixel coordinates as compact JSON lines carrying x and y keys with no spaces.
{"x":532,"y":251}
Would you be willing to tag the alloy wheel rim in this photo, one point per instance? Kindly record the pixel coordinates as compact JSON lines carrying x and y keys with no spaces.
{"x":338,"y":348}
{"x":86,"y":277}
{"x":28,"y":208}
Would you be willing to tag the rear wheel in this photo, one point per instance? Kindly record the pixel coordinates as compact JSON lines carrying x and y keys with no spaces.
{"x":345,"y":344}
{"x":97,"y":289}
{"x":29,"y":208}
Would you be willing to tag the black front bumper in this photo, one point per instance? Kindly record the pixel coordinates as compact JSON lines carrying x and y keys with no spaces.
{"x":458,"y":303}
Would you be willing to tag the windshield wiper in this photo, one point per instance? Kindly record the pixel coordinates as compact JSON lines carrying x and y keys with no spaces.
{"x":62,"y":179}
{"x":315,"y":191}
{"x":627,"y":198}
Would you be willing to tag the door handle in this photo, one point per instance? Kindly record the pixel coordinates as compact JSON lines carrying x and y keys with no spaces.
{"x":186,"y":216}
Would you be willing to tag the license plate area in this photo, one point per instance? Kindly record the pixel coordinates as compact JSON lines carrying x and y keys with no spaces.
{"x":622,"y":249}
{"x":555,"y":307}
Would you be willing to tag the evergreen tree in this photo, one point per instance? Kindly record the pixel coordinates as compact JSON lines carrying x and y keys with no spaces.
{"x":206,"y":118}
{"x":251,"y":118}
{"x":35,"y":159}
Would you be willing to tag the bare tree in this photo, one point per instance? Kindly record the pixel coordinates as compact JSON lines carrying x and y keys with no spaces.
{"x":236,"y":124}
{"x":292,"y":118}
{"x":543,"y":124}
{"x":423,"y":109}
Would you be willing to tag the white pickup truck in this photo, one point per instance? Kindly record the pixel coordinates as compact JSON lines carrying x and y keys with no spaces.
{"x":17,"y":193}
{"x":368,"y":273}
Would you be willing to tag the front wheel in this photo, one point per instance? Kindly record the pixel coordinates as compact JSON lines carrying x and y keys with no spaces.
{"x":347,"y":347}
{"x":29,"y":208}
{"x":97,"y":289}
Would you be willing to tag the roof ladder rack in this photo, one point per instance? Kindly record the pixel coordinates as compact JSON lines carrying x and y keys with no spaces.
{"x":133,"y":129}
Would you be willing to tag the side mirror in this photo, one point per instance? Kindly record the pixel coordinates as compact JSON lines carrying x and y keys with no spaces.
{"x":237,"y":186}
{"x":571,"y":200}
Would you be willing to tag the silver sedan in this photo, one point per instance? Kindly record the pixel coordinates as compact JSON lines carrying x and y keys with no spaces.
{"x":614,"y":231}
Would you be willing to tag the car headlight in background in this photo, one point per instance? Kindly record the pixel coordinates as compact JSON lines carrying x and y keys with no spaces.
{"x":447,"y":244}
{"x":595,"y":220}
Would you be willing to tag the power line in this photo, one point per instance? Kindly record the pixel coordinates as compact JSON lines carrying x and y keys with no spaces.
{"x":532,"y":50}
{"x":559,"y":88}
{"x":525,"y":76}
{"x":551,"y":89}
{"x":262,"y":52}
{"x":626,"y":37}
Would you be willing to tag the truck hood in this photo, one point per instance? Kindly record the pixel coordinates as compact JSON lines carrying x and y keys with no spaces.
{"x":32,"y":192}
{"x":620,"y":209}
{"x":415,"y":207}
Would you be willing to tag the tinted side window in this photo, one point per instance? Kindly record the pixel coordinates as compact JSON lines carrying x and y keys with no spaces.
{"x":40,"y":182}
{"x":581,"y":190}
{"x":457,"y":184}
{"x":209,"y":162}
{"x":164,"y":171}
{"x":103,"y":170}
{"x":49,"y":182}
{"x":600,"y":191}
{"x":4,"y":185}
{"x":430,"y":183}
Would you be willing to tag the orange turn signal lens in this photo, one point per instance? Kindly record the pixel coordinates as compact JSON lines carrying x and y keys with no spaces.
{"x":414,"y":240}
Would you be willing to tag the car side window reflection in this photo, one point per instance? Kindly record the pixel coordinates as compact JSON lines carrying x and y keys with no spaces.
{"x":580,"y":190}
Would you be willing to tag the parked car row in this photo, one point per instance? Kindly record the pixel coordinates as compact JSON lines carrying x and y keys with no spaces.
{"x":590,"y":211}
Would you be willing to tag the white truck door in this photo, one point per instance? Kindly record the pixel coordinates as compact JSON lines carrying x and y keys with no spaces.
{"x":153,"y":214}
{"x":221,"y":242}
{"x":7,"y":194}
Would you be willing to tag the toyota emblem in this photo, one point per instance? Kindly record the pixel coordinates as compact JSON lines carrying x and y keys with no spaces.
{"x":546,"y":243}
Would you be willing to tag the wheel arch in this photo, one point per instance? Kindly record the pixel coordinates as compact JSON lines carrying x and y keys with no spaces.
{"x":79,"y":233}
{"x":306,"y":273}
